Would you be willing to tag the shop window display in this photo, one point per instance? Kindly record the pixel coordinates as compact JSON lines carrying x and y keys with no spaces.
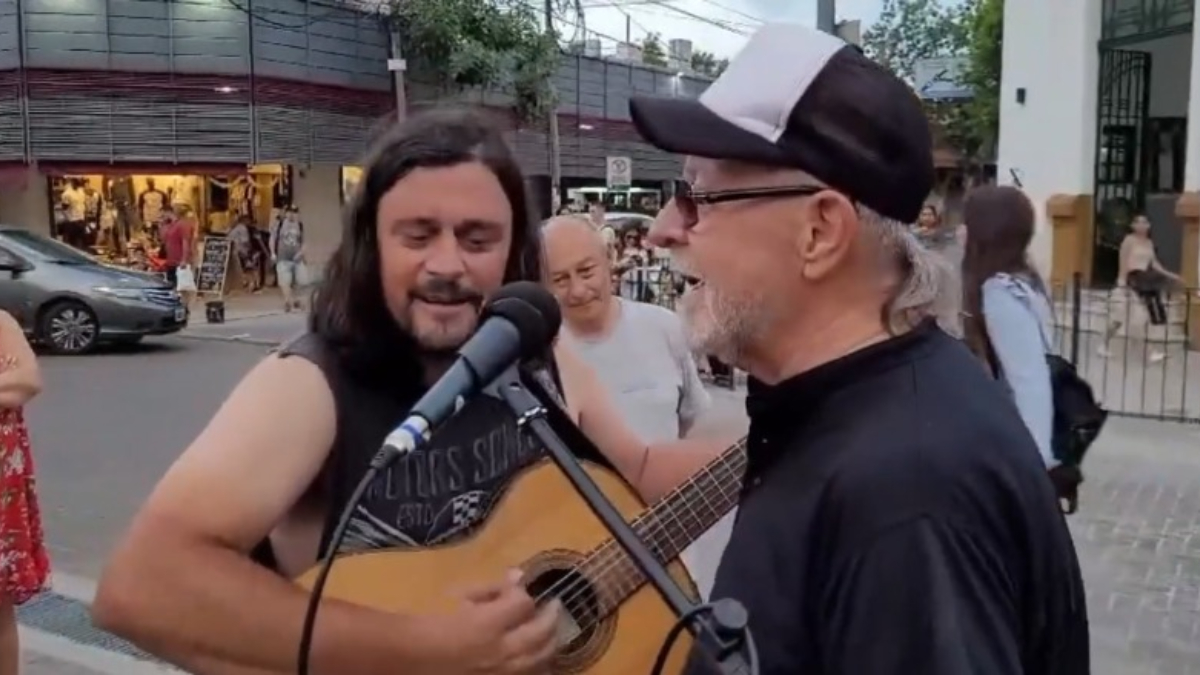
{"x":116,"y":217}
{"x":350,"y":177}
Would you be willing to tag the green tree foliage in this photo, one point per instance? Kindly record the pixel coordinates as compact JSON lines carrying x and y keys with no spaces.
{"x":653,"y":52}
{"x":909,"y":31}
{"x":706,"y":63}
{"x":482,"y":43}
{"x":982,"y":72}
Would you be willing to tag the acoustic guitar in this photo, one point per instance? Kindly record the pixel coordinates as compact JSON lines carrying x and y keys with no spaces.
{"x":614,"y":622}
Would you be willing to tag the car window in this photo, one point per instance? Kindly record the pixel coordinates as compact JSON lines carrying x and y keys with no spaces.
{"x":7,"y":257}
{"x":41,"y":247}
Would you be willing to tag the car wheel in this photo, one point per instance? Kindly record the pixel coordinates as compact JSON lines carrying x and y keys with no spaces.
{"x":68,"y":327}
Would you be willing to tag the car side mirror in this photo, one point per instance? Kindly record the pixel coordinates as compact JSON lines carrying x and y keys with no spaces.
{"x":15,"y":266}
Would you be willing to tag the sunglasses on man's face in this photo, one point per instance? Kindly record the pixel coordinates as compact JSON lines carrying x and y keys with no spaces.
{"x":688,"y":201}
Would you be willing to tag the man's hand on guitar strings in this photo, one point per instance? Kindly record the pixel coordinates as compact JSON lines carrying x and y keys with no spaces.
{"x":498,"y":630}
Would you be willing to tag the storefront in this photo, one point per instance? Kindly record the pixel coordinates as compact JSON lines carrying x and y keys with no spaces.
{"x":115,"y":215}
{"x":349,"y":177}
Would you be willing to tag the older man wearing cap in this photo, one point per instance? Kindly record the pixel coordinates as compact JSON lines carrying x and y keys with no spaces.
{"x":896,"y":516}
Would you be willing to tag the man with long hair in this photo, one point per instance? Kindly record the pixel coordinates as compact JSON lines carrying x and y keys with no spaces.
{"x":897,"y":518}
{"x":439,"y":222}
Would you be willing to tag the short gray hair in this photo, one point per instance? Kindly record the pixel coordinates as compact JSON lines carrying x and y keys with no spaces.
{"x":925,"y":284}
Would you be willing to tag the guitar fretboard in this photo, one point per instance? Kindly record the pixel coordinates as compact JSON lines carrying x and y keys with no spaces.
{"x":669,"y":526}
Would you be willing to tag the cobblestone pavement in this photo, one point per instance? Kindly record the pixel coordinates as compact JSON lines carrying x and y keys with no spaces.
{"x":1138,"y":537}
{"x":109,"y":425}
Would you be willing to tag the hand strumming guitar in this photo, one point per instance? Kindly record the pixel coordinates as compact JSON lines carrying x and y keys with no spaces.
{"x":499,"y":630}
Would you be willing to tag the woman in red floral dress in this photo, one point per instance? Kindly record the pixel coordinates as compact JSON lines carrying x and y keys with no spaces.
{"x":24,"y":566}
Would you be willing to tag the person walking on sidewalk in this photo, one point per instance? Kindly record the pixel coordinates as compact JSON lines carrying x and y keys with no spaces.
{"x":1141,"y":274}
{"x":287,"y":252}
{"x":24,"y":565}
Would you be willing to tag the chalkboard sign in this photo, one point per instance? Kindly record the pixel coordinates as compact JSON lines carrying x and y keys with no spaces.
{"x":214,"y":266}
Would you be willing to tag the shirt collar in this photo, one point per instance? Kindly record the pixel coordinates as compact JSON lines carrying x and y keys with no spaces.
{"x":777,"y":412}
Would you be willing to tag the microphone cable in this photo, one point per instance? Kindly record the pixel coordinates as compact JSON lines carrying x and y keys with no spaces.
{"x":722,"y":624}
{"x":379,"y":462}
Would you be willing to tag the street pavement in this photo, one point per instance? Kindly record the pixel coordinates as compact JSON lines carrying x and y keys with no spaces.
{"x":108,"y":425}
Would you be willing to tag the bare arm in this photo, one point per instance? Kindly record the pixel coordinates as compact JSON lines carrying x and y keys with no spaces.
{"x":653,"y":470}
{"x":20,"y":378}
{"x":181,"y":585}
{"x":1123,"y":265}
{"x":1157,"y":266}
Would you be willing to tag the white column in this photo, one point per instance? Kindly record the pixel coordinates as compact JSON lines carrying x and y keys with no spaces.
{"x":1191,"y":176}
{"x":1049,"y":141}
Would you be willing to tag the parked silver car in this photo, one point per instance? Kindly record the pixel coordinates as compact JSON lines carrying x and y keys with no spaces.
{"x":69,"y":302}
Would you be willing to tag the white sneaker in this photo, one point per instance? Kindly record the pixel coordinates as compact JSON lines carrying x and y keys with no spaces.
{"x":1157,"y":357}
{"x":1103,"y":352}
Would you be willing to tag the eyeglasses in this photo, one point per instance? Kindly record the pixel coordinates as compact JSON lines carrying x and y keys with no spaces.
{"x":688,"y":200}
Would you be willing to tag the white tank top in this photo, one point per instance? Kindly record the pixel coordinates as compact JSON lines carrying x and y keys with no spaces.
{"x":1141,"y":253}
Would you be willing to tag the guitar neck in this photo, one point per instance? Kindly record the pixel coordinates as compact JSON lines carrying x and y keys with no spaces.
{"x":671,"y":524}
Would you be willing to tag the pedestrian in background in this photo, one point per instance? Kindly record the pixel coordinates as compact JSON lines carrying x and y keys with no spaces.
{"x":24,"y":565}
{"x":287,"y":252}
{"x":1008,"y":317}
{"x":637,"y":349}
{"x":179,"y":243}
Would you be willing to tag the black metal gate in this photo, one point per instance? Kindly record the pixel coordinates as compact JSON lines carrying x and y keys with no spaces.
{"x":1122,"y":108}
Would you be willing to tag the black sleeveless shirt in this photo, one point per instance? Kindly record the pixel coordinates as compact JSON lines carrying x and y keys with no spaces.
{"x":438,"y":493}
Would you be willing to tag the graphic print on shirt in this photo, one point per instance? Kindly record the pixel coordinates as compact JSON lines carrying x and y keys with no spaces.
{"x":446,"y":489}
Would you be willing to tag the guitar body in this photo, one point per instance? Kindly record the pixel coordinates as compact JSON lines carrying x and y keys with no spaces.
{"x":542,"y":526}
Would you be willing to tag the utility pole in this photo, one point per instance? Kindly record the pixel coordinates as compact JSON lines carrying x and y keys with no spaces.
{"x":554,"y":145}
{"x":396,"y":66}
{"x":827,"y":16}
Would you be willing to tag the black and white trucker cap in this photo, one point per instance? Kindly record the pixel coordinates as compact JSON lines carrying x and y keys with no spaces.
{"x":797,"y":97}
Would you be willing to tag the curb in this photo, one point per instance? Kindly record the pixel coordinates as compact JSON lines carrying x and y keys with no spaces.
{"x":238,"y":339}
{"x":90,"y":657}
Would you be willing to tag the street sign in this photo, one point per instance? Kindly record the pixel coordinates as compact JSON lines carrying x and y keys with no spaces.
{"x":940,"y":79}
{"x":619,"y":175}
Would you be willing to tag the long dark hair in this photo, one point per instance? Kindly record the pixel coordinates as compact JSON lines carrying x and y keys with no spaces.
{"x":349,"y":311}
{"x":1000,"y":221}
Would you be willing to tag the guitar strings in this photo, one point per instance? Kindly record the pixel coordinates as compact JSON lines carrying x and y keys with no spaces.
{"x":610,"y":555}
{"x":573,"y":590}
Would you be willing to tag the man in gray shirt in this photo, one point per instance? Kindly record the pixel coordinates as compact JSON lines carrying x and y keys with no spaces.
{"x":638,"y":351}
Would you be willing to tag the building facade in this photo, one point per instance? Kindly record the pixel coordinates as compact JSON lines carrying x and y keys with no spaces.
{"x":1095,"y":101}
{"x":235,"y":107}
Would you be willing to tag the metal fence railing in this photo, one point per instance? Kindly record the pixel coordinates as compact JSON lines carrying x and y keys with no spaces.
{"x":1132,"y":348}
{"x":662,"y":286}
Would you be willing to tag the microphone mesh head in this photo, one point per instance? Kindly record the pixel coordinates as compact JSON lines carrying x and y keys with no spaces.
{"x":532,"y":309}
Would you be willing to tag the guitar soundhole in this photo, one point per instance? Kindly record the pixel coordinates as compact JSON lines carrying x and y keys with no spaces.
{"x":581,"y":606}
{"x":586,"y":629}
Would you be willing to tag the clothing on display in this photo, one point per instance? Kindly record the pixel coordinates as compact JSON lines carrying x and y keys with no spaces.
{"x":151,"y":203}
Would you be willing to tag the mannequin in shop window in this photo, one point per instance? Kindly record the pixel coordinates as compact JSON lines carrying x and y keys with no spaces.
{"x":151,"y":203}
{"x":120,"y":196}
{"x":74,"y":202}
{"x":242,"y":194}
{"x":93,"y":208}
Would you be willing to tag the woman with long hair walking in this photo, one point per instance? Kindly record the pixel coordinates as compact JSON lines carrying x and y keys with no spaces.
{"x":1007,"y":315}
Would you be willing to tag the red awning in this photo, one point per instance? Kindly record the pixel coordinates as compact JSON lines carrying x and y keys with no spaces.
{"x":15,"y":175}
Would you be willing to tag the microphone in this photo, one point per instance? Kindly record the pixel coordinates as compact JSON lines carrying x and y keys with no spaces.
{"x":520,"y":321}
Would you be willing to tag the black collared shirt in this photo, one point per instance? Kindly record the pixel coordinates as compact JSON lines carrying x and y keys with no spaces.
{"x":897,"y":519}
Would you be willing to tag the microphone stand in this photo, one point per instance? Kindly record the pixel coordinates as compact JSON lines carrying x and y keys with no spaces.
{"x":723,"y":628}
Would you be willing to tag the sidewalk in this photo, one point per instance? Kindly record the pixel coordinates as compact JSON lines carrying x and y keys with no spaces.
{"x":241,"y":305}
